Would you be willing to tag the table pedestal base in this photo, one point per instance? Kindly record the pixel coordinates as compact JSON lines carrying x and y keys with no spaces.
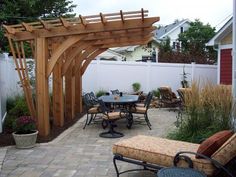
{"x":111,"y":134}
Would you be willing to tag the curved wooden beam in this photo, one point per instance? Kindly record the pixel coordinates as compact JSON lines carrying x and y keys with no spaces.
{"x":73,"y":53}
{"x":79,"y":59}
{"x":90,"y":58}
{"x":60,"y":50}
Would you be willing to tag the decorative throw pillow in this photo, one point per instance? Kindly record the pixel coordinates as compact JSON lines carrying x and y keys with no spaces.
{"x":214,"y":142}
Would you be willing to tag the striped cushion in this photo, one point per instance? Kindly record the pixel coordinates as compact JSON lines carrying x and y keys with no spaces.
{"x":160,"y":151}
{"x":93,"y":110}
{"x":113,"y":115}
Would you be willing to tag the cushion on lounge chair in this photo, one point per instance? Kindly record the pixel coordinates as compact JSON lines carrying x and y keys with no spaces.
{"x":227,"y":151}
{"x":214,"y":142}
{"x":160,"y":151}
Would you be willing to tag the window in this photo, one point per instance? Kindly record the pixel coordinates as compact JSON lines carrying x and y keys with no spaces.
{"x":181,"y":29}
{"x":173,"y":46}
{"x":149,"y":45}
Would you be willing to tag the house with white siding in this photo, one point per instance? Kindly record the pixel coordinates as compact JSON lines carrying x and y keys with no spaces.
{"x":149,"y":52}
{"x":143,"y":53}
{"x":172,"y":31}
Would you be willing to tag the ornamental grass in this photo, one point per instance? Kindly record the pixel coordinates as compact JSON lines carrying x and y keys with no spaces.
{"x":207,"y":110}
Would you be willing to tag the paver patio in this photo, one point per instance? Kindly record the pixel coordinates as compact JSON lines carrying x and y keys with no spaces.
{"x":79,"y":152}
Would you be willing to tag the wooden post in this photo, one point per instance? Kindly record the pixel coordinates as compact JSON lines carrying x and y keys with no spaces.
{"x":78,"y":92}
{"x":42,"y":95}
{"x":58,"y":100}
{"x":69,"y":107}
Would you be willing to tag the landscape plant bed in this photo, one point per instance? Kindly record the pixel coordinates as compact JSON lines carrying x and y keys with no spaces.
{"x":6,"y":138}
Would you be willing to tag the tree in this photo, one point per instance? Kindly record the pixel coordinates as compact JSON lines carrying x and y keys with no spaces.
{"x":193,"y":42}
{"x":16,"y":11}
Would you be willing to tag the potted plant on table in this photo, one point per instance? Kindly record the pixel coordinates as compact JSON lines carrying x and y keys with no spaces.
{"x":25,"y":133}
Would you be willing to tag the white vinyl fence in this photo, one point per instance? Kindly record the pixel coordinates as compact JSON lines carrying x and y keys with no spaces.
{"x":109,"y":75}
{"x":9,"y":86}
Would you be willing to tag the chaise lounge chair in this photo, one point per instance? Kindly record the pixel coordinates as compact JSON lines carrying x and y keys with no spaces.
{"x":168,"y":98}
{"x":154,"y":153}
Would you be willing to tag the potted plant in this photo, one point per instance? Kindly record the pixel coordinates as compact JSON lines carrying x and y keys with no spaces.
{"x":25,"y":133}
{"x":136,"y":86}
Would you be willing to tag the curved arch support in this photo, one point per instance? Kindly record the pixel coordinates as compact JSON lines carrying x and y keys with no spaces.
{"x":76,"y":51}
{"x":60,"y":50}
{"x":81,"y":57}
{"x":90,"y":58}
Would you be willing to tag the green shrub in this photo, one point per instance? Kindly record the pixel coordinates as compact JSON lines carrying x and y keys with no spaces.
{"x":8,"y":123}
{"x":101,"y":93}
{"x":156,"y":93}
{"x":136,"y":86}
{"x":16,"y":107}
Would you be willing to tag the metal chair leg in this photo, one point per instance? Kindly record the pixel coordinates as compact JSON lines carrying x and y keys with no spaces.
{"x":86,"y":122}
{"x":91,"y":118}
{"x":147,"y":121}
{"x":114,"y":162}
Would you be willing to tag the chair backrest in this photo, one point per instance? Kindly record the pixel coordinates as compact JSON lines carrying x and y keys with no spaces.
{"x":145,"y":102}
{"x":103,"y":107}
{"x":87,"y":102}
{"x":115,"y":92}
{"x":93,"y":98}
{"x":149,"y":99}
{"x":165,"y":93}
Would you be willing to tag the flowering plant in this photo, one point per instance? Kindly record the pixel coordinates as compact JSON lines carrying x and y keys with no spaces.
{"x":24,"y":125}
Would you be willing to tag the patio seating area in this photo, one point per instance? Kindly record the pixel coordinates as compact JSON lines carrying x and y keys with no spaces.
{"x":81,"y":152}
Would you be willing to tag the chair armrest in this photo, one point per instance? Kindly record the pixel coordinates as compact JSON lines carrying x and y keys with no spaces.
{"x":179,"y":156}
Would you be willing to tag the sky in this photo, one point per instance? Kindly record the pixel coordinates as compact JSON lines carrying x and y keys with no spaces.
{"x":214,"y":12}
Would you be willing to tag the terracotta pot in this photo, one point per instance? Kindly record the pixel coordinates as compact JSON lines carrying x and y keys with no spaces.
{"x":24,"y":141}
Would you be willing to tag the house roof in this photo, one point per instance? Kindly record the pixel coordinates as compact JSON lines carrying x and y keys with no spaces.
{"x":222,"y":32}
{"x":112,"y":52}
{"x":129,"y":48}
{"x":165,"y":30}
{"x":126,"y":48}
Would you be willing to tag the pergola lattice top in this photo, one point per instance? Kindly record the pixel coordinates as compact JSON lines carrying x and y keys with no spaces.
{"x":64,"y":47}
{"x":66,"y":26}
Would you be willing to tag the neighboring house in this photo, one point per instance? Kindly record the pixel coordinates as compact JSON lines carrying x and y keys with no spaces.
{"x":172,"y":31}
{"x":139,"y":52}
{"x":222,"y":41}
{"x":111,"y":55}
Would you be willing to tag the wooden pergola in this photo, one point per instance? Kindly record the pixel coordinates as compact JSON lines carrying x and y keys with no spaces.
{"x":63,"y":49}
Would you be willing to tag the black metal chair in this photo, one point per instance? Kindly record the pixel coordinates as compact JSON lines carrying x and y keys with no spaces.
{"x":110,"y":117}
{"x":115,"y":92}
{"x":92,"y":109}
{"x":144,"y":110}
{"x":93,"y":99}
{"x":145,"y":101}
{"x":220,"y":168}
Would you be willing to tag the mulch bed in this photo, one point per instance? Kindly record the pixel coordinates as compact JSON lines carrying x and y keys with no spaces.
{"x":6,"y":138}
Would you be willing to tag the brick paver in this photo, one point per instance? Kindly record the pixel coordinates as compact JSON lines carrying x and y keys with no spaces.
{"x":81,"y":153}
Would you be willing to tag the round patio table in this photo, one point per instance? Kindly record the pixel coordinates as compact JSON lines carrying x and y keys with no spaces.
{"x":116,"y":99}
{"x":127,"y":101}
{"x":179,"y":172}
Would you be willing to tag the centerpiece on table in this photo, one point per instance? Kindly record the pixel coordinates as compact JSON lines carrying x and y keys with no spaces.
{"x":25,"y":133}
